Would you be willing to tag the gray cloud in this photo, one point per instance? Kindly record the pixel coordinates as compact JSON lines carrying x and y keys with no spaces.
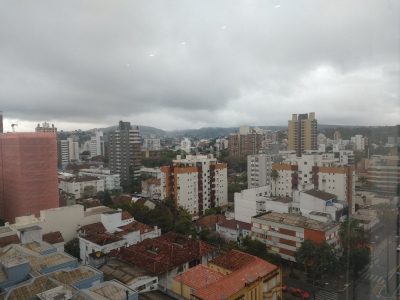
{"x":187,"y":64}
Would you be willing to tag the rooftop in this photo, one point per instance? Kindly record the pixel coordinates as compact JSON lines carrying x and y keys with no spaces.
{"x":164,"y":253}
{"x":321,"y":195}
{"x":112,"y":290}
{"x":246,"y":270}
{"x":32,"y":288}
{"x":8,"y":240}
{"x":54,"y":237}
{"x":80,"y":179}
{"x":234,"y":224}
{"x":199,"y":277}
{"x":97,"y":210}
{"x":295,"y":220}
{"x":126,"y":273}
{"x":72,"y":276}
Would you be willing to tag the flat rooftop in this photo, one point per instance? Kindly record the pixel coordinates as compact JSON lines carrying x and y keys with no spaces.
{"x":122,"y":271}
{"x":112,"y":290}
{"x":98,"y":210}
{"x":295,"y":220}
{"x":72,"y":276}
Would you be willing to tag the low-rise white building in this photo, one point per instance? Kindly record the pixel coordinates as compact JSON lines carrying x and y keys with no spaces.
{"x":314,"y":203}
{"x":81,"y":186}
{"x":233,"y":230}
{"x":116,"y":229}
{"x":112,"y":182}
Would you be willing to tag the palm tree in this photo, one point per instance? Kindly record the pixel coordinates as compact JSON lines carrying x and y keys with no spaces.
{"x":274,"y":176}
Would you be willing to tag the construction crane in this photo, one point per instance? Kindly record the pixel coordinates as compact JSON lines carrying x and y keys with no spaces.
{"x":13,"y":127}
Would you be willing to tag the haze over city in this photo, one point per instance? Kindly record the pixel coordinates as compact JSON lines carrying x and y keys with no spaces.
{"x":180,"y":64}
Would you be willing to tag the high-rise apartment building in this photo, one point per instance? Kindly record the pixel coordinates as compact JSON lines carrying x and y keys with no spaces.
{"x":259,"y":168}
{"x":124,"y":152}
{"x":97,"y":144}
{"x":152,"y":144}
{"x":302,"y":133}
{"x":68,"y":150}
{"x":196,"y":183}
{"x":245,"y":142}
{"x":46,"y":128}
{"x":28,"y":174}
{"x":359,"y":142}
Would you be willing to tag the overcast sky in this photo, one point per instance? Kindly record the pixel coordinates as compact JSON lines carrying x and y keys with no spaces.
{"x":188,"y":64}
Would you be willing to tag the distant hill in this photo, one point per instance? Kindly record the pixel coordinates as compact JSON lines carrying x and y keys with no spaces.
{"x":376,"y":134}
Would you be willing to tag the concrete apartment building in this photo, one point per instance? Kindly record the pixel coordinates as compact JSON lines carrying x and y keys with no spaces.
{"x":246,"y":142}
{"x":384,"y":174}
{"x":28,"y":174}
{"x":284,"y":233}
{"x":302,"y":133}
{"x":68,"y":150}
{"x":359,"y":142}
{"x":124,"y":152}
{"x":152,"y":144}
{"x":259,"y":168}
{"x":196,"y":183}
{"x":112,"y":182}
{"x":315,"y":171}
{"x":46,"y":128}
{"x":81,"y":186}
{"x":97,"y":144}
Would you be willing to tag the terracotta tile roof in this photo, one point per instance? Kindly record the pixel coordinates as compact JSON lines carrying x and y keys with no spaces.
{"x":94,"y":228}
{"x":53,"y":237}
{"x":254,"y":269}
{"x":234,"y":224}
{"x":102,"y":238}
{"x":234,"y":282}
{"x":122,"y":199}
{"x":233,"y":260}
{"x":8,"y":240}
{"x":210,"y":221}
{"x":135,"y":226}
{"x":199,"y":277}
{"x":165,"y":253}
{"x":126,"y":215}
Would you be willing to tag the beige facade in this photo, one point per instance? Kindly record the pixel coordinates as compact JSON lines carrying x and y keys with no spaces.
{"x":302,"y":133}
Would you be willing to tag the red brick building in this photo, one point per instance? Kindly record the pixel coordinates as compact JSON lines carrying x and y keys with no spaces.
{"x":28,"y":174}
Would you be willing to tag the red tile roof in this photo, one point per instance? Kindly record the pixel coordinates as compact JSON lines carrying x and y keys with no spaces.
{"x":247,"y":272}
{"x":8,"y":240}
{"x":165,"y":253}
{"x":94,"y":228}
{"x":199,"y":277}
{"x":210,"y":221}
{"x":103,"y":239}
{"x":126,"y":215}
{"x":122,"y":199}
{"x":53,"y":237}
{"x":234,"y":224}
{"x":135,"y":226}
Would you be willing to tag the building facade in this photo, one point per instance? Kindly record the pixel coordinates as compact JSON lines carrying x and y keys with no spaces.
{"x":81,"y":186}
{"x":384,"y":174}
{"x":284,"y":233}
{"x":196,"y":183}
{"x":28,"y":174}
{"x":112,"y":182}
{"x":302,"y":133}
{"x":46,"y":128}
{"x":315,"y":171}
{"x":97,"y":144}
{"x":125,"y":153}
{"x":259,"y":168}
{"x":246,"y":142}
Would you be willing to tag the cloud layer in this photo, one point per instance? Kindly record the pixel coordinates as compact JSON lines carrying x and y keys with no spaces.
{"x":180,"y":64}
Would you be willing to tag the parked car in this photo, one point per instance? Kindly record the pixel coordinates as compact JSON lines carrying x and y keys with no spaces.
{"x":299,"y":293}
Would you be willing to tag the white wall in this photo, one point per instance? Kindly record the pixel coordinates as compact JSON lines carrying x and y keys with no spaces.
{"x":245,"y":202}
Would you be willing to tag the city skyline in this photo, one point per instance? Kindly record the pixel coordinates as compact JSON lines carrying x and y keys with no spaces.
{"x":187,"y":65}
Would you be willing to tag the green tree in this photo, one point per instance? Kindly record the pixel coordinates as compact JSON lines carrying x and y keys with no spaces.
{"x":353,"y":239}
{"x":317,"y":259}
{"x":107,"y":201}
{"x":72,"y":248}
